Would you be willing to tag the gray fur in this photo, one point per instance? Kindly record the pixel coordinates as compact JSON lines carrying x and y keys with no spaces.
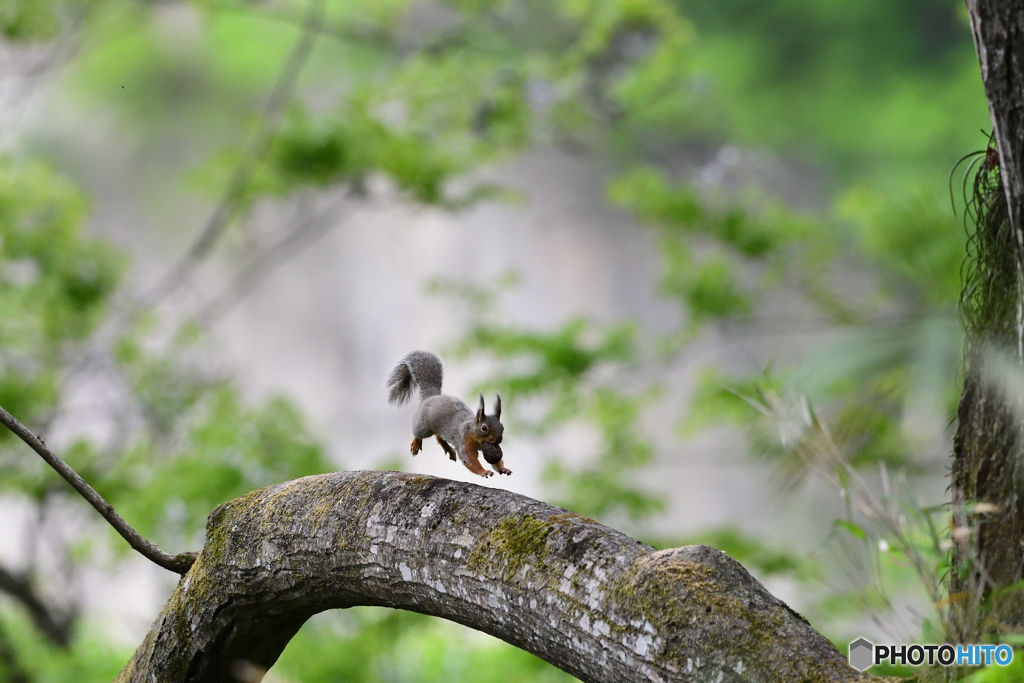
{"x":446,"y":416}
{"x":420,"y":368}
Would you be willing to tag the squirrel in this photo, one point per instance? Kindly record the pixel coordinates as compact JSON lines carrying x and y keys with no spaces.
{"x":447,"y":418}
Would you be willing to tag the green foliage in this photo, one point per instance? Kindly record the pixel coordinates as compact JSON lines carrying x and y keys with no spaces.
{"x":913,"y":235}
{"x":566,"y":376}
{"x":560,"y":360}
{"x":55,"y":286}
{"x":606,"y":485}
{"x":203,"y":444}
{"x":866,"y":376}
{"x":862,"y":86}
{"x":878,"y":96}
{"x":53,"y":274}
{"x":680,"y":211}
{"x":710,"y":286}
{"x":718,"y":399}
{"x":181,"y":88}
{"x":29,"y":20}
{"x":861,"y":93}
{"x":1013,"y":673}
{"x":88,"y":658}
{"x":865,"y":420}
{"x":198,"y":443}
{"x":229,"y":449}
{"x":987,"y":306}
{"x":374,"y":644}
{"x":557,"y":369}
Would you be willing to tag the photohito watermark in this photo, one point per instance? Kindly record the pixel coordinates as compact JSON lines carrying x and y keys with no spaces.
{"x":864,"y":653}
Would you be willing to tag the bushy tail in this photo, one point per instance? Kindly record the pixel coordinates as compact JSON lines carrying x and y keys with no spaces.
{"x":420,"y":368}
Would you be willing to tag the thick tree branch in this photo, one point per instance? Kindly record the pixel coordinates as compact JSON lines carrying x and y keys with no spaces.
{"x":586,"y":598}
{"x":176,"y":563}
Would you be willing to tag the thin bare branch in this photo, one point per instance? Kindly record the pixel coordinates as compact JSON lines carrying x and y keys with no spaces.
{"x":254,"y":153}
{"x":307,"y":229}
{"x":179,"y":563}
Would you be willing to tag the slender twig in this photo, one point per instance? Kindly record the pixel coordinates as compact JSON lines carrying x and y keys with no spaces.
{"x":251,"y":157}
{"x":179,"y":563}
{"x":307,"y":230}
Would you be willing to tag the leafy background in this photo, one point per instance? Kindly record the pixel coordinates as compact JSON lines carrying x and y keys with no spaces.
{"x":676,"y":236}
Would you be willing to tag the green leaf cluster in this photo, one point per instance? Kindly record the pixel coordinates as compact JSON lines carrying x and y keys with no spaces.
{"x":88,"y":658}
{"x":559,"y":373}
{"x":55,"y":287}
{"x":184,"y":440}
{"x":29,"y":21}
{"x":883,"y":86}
{"x":732,"y":236}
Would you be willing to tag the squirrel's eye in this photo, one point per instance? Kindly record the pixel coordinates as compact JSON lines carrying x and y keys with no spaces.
{"x":483,"y":428}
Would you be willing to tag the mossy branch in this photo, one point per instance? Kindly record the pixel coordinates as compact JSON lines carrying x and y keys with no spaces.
{"x":179,"y":563}
{"x":588,"y":599}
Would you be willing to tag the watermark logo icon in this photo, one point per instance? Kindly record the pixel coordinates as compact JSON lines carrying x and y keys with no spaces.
{"x":862,"y":654}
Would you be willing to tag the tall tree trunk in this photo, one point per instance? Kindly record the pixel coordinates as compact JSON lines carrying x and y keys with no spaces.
{"x":987,"y":479}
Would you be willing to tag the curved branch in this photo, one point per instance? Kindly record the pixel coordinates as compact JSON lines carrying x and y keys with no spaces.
{"x":588,"y":599}
{"x":179,"y":563}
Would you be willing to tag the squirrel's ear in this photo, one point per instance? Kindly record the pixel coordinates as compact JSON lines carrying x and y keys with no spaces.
{"x":497,"y":407}
{"x":480,"y":411}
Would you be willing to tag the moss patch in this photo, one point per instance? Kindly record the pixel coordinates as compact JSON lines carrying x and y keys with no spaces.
{"x":569,"y":518}
{"x":686,"y":598}
{"x":507,"y":547}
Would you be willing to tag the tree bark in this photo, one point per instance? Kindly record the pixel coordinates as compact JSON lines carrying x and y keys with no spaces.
{"x":590,"y":600}
{"x":998,"y":30}
{"x":988,"y":448}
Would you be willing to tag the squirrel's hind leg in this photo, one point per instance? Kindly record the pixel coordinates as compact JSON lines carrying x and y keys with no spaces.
{"x":416,"y":446}
{"x":447,"y":448}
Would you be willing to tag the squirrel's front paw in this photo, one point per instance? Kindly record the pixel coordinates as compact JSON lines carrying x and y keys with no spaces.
{"x":486,"y":474}
{"x":505,"y":470}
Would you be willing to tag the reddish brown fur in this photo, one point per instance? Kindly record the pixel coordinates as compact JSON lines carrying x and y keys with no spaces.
{"x":472,"y":461}
{"x":447,"y":448}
